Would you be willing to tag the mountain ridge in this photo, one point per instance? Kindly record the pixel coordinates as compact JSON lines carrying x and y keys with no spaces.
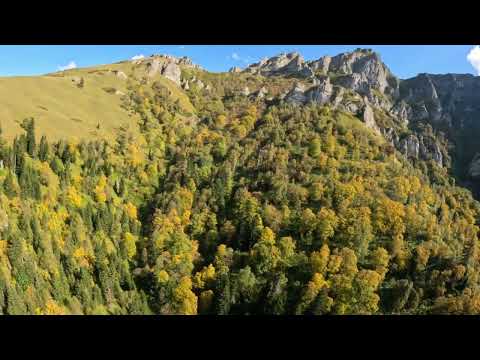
{"x":409,"y":102}
{"x":357,"y":81}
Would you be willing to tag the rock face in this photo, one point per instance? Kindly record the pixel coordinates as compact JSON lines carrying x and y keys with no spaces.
{"x":153,"y":67}
{"x":360,"y":70}
{"x":402,"y":111}
{"x":235,"y":69}
{"x":283,"y":64}
{"x":168,"y":66}
{"x":419,"y":147}
{"x":449,"y":104}
{"x":321,"y":65}
{"x":173,"y":72}
{"x":363,"y":70}
{"x":410,"y":146}
{"x":390,"y":135}
{"x":430,"y":150}
{"x":369,"y":118}
{"x":442,"y":99}
{"x":422,"y":94}
{"x":322,"y":92}
{"x":297,"y":95}
{"x":474,"y":168}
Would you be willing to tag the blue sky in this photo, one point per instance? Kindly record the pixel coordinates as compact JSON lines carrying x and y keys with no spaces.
{"x":404,"y":60}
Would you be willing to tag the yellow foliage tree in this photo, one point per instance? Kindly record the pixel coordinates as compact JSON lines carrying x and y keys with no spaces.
{"x":74,"y":197}
{"x":100,"y":194}
{"x":162,"y":276}
{"x":313,"y":287}
{"x":327,"y":223}
{"x":202,"y":277}
{"x":131,"y":210}
{"x":220,"y":121}
{"x":319,"y":259}
{"x":130,"y":244}
{"x":185,"y":299}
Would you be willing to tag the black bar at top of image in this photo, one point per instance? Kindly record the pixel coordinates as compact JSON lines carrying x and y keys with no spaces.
{"x":301,"y":24}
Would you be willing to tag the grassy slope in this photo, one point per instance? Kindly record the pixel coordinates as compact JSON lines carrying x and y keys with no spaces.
{"x":62,"y":110}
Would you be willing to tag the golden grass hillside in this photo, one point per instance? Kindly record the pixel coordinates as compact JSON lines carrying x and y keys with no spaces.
{"x":63,"y":109}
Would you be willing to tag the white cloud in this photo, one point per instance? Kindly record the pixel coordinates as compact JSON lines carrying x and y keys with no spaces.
{"x":70,"y":65}
{"x":473,"y":58}
{"x":235,"y":56}
{"x":181,"y":47}
{"x":138,"y":57}
{"x":248,"y":59}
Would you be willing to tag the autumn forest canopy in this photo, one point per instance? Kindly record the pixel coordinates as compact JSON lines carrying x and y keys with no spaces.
{"x":216,"y":203}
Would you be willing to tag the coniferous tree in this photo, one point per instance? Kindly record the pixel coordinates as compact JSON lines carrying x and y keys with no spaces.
{"x":10,"y":186}
{"x":43,"y":151}
{"x":29,"y":126}
{"x":223,"y":299}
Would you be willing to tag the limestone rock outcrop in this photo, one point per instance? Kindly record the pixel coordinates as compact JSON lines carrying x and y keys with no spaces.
{"x":173,"y":72}
{"x":283,"y":64}
{"x":167,"y":66}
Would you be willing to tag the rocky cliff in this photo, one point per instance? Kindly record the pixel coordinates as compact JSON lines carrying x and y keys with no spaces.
{"x":427,"y":117}
{"x":283,"y":64}
{"x":166,"y":65}
{"x":450,"y":104}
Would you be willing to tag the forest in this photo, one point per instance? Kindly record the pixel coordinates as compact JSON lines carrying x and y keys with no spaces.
{"x":244,"y":209}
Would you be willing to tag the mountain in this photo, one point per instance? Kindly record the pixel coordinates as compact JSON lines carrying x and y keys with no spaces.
{"x":288,"y":187}
{"x":431,"y":117}
{"x":356,"y":81}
